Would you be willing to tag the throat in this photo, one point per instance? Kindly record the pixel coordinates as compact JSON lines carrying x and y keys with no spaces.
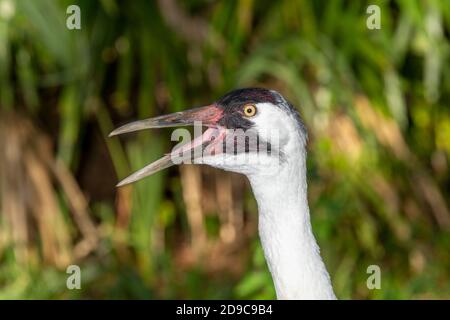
{"x":291,"y":251}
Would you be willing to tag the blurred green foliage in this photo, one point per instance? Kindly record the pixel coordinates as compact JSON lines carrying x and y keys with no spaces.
{"x":376,"y":104}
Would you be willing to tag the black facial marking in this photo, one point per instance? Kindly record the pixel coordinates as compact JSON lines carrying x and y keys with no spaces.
{"x":235,"y":120}
{"x":233,"y":102}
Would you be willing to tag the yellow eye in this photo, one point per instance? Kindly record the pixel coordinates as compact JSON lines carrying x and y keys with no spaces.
{"x":249,"y":110}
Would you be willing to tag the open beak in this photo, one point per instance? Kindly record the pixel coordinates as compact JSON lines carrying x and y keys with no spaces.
{"x":208,"y":116}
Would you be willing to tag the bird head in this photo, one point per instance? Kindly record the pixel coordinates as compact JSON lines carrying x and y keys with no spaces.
{"x":250,"y":131}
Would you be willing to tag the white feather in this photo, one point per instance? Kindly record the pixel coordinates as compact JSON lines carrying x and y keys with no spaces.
{"x":280,"y":188}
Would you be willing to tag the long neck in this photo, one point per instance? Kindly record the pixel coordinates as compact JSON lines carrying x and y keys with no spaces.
{"x":286,"y":235}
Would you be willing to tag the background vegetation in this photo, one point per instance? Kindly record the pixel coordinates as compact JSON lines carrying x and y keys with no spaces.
{"x":376,"y":104}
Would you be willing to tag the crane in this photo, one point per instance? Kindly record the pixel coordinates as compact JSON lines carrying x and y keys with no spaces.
{"x":275,"y":167}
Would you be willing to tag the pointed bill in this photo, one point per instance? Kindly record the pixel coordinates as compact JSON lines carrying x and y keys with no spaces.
{"x":187,"y":153}
{"x":207,"y":116}
{"x":150,"y":169}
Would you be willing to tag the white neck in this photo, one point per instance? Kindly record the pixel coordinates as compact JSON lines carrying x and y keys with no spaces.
{"x":285,"y":230}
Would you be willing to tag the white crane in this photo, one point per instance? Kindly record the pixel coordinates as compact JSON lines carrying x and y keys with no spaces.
{"x":276,"y":169}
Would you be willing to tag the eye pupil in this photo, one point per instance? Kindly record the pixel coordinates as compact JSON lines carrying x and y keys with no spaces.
{"x":250,"y":110}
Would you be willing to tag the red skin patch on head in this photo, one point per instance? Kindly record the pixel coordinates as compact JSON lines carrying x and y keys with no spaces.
{"x":209,"y":115}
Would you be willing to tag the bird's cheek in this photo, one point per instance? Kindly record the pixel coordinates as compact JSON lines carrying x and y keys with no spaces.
{"x":274,"y":136}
